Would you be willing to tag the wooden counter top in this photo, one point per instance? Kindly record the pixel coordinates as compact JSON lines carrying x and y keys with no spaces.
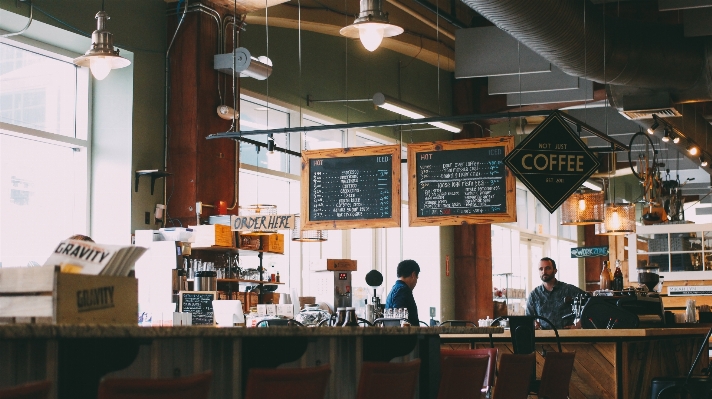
{"x":39,"y":331}
{"x":586,"y":334}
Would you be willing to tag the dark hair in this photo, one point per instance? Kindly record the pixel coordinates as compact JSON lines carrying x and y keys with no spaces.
{"x":553,"y":264}
{"x":81,"y":237}
{"x":407,"y":267}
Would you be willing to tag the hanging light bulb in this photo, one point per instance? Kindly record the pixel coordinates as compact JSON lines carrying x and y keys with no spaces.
{"x":676,"y":139}
{"x":101,"y":58}
{"x":652,"y":128}
{"x":666,"y":136}
{"x":583,"y":207}
{"x":619,"y":219}
{"x":693,"y":150}
{"x":371,"y":25}
{"x":703,"y":161}
{"x":308,"y":235}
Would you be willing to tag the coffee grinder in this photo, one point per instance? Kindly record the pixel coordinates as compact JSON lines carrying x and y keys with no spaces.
{"x":374,"y":279}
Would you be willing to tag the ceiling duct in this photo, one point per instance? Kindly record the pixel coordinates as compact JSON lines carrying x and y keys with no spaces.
{"x":668,"y":112}
{"x":638,"y":54}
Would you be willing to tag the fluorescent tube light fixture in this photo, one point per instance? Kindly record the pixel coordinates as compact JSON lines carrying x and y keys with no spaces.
{"x":371,"y":25}
{"x":101,"y":58}
{"x":411,"y":111}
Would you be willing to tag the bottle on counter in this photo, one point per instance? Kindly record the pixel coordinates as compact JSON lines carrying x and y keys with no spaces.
{"x":605,"y":276}
{"x":617,"y":277}
{"x":277,"y":281}
{"x":351,"y":320}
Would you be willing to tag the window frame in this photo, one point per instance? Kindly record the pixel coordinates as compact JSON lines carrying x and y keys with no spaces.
{"x":82,"y":139}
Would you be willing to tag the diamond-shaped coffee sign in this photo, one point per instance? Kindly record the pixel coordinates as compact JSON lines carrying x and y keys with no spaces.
{"x":552,"y":161}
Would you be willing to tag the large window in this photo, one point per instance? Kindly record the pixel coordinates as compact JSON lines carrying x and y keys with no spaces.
{"x":44,"y":152}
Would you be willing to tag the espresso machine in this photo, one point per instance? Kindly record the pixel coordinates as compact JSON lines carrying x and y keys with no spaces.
{"x":337,"y":288}
{"x":630,"y":308}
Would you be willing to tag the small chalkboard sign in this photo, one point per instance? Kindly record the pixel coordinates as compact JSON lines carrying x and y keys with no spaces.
{"x":344,"y":188}
{"x":200,"y":304}
{"x":461,"y":182}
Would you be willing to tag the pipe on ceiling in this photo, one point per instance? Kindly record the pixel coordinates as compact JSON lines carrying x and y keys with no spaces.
{"x":639,"y":54}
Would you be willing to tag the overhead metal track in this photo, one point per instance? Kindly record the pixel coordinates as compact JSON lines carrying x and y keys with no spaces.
{"x":367,"y":125}
{"x":580,"y":125}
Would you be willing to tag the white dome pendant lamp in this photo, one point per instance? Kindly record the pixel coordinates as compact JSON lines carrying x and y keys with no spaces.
{"x":101,"y":58}
{"x":371,"y":25}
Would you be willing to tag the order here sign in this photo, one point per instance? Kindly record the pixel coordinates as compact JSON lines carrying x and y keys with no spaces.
{"x":552,"y":161}
{"x":262,"y":222}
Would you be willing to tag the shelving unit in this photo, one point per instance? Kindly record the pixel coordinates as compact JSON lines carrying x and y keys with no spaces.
{"x":506,"y":298}
{"x":681,"y":251}
{"x":216,"y":250}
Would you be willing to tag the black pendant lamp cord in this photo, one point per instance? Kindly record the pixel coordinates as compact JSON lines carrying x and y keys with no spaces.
{"x":102,"y":5}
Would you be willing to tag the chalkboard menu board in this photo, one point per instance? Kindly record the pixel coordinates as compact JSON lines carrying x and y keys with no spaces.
{"x":346,"y":188}
{"x":200,"y":304}
{"x":461,"y":182}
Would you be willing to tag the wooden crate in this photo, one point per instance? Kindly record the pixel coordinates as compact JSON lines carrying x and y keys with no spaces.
{"x":44,"y":295}
{"x":213,"y":235}
{"x":263,"y":242}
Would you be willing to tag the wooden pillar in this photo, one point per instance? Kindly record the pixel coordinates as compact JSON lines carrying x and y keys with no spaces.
{"x":203,"y":170}
{"x":473,"y":243}
{"x":593,"y":266}
{"x":473,"y":272}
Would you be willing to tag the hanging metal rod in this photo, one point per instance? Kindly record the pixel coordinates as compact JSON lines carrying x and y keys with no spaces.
{"x":366,"y":125}
{"x":617,"y":145}
{"x":263,"y":145}
{"x":311,"y":101}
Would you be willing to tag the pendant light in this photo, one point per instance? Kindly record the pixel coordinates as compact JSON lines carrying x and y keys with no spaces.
{"x":618,"y":219}
{"x":259,"y":210}
{"x":101,"y":58}
{"x":583,"y":207}
{"x":371,"y":25}
{"x":308,"y":235}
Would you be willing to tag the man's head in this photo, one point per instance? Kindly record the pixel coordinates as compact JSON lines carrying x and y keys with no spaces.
{"x":547,"y":269}
{"x":408,"y":271}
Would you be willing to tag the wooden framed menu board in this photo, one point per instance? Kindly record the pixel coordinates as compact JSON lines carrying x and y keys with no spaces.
{"x":346,"y":188}
{"x":460,"y":182}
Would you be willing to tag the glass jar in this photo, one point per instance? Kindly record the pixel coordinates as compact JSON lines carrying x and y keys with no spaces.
{"x":312,"y":315}
{"x":340,"y":316}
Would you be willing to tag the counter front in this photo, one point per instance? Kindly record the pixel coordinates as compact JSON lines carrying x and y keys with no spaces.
{"x":76,"y":357}
{"x":609,"y":364}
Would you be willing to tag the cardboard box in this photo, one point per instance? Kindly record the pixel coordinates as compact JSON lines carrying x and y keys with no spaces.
{"x":212,"y":235}
{"x":273,"y":243}
{"x":270,"y":298}
{"x":44,"y":295}
{"x":267,"y":242}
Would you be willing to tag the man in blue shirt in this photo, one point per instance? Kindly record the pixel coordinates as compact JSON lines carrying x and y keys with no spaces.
{"x":548,"y":299}
{"x":401,"y":295}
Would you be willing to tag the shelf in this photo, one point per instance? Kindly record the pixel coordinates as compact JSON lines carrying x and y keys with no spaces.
{"x":238,"y":280}
{"x":247,"y":252}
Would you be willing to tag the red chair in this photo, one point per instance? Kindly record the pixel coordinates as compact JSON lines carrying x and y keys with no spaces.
{"x":514,"y":376}
{"x":490,"y":352}
{"x":556,"y":375}
{"x":461,"y":376}
{"x":32,"y":390}
{"x":193,"y":387}
{"x":388,"y":380}
{"x":307,"y":383}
